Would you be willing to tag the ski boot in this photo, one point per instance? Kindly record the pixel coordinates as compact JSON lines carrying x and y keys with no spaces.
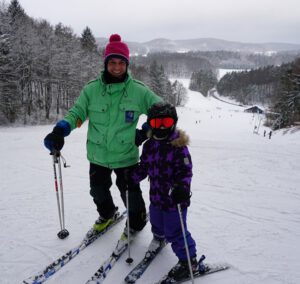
{"x":155,"y":245}
{"x":181,"y":270}
{"x":102,"y":223}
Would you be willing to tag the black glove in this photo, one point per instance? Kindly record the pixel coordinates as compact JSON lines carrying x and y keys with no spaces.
{"x":180,"y":195}
{"x":140,"y":137}
{"x":141,"y":134}
{"x":54,"y":141}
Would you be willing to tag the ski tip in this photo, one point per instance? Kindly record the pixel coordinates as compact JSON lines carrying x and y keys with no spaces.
{"x":215,"y":267}
{"x":128,"y":280}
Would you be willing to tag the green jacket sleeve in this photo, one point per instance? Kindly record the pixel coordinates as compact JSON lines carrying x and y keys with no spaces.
{"x":149,"y":97}
{"x":78,"y":113}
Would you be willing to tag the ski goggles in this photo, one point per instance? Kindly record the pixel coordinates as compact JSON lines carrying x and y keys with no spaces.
{"x":167,"y":122}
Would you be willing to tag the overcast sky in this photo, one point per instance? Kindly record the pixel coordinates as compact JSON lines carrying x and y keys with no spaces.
{"x":144,"y":20}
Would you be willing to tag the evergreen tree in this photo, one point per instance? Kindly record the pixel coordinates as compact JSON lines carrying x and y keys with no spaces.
{"x":9,"y":104}
{"x":155,"y":79}
{"x":15,"y":11}
{"x":288,"y":104}
{"x":202,"y":81}
{"x":88,"y":41}
{"x":140,"y":73}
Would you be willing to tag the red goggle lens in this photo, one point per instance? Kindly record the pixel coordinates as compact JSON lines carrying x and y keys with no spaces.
{"x":158,"y":122}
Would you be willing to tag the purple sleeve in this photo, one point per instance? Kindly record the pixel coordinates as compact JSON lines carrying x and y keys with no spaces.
{"x":183,"y":168}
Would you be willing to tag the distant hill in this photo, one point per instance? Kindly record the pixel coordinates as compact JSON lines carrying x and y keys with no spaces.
{"x":203,"y":44}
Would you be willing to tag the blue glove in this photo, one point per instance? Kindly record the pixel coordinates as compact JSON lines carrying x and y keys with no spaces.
{"x":141,"y":134}
{"x":55,"y":141}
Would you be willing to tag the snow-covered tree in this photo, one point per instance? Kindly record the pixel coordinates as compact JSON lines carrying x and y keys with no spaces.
{"x":9,"y":102}
{"x":42,"y":69}
{"x":202,"y":81}
{"x":160,"y":84}
{"x":15,"y":11}
{"x":179,"y":94}
{"x":156,"y":82}
{"x":288,"y":104}
{"x":88,"y":40}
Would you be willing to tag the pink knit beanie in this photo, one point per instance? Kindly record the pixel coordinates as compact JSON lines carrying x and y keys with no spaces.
{"x":116,"y":48}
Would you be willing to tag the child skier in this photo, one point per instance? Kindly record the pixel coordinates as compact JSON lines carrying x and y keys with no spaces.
{"x":167,"y":162}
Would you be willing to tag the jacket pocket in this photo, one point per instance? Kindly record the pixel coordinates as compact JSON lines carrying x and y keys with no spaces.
{"x":123,"y":143}
{"x":125,"y":139}
{"x":95,"y":146}
{"x":98,"y":114}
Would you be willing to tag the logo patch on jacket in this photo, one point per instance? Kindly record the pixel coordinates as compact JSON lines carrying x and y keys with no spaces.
{"x":129,"y":116}
{"x":186,"y":161}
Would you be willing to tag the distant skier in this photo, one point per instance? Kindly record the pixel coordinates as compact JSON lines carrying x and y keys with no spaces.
{"x":255,"y":129}
{"x":265,"y":132}
{"x":270,"y":134}
{"x":167,"y":162}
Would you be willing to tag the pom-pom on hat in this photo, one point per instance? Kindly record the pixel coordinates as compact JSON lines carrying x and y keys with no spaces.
{"x":116,"y":48}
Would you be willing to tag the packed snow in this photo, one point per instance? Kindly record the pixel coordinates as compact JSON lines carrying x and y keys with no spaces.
{"x":245,"y":204}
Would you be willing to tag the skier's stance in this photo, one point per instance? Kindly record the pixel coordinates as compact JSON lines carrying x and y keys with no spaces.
{"x":167,"y":162}
{"x":112,"y":103}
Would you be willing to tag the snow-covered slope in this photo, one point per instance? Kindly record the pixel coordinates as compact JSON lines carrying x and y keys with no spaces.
{"x":245,"y":205}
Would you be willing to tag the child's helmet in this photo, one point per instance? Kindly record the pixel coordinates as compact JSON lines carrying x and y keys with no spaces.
{"x":161,"y":110}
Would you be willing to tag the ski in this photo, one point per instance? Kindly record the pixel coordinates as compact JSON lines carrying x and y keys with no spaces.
{"x":107,"y":265}
{"x":52,"y":268}
{"x":208,"y":269}
{"x":141,"y":267}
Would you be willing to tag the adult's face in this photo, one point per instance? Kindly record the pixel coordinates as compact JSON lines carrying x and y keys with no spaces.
{"x":116,"y":67}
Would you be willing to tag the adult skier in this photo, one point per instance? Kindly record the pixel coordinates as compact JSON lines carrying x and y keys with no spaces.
{"x":112,"y":103}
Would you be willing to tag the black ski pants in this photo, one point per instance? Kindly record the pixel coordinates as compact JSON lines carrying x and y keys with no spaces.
{"x":100,"y":183}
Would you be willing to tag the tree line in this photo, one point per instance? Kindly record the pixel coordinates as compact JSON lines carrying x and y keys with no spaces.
{"x":287,"y":102}
{"x":180,"y":65}
{"x":275,"y":86}
{"x":184,"y":64}
{"x":43,"y":68}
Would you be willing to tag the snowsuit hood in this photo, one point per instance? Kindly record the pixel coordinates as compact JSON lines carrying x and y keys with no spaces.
{"x":179,"y":138}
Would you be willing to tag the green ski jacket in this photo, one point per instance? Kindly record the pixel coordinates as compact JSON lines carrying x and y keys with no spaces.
{"x":113,"y":111}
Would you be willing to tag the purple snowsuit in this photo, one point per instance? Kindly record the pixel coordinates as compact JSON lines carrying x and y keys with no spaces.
{"x":168,"y":164}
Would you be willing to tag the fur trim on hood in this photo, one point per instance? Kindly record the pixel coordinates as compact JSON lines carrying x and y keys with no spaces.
{"x":182,"y":140}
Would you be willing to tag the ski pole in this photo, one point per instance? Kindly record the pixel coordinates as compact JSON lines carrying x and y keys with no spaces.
{"x":185,"y":241}
{"x":129,"y":260}
{"x":63,"y":233}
